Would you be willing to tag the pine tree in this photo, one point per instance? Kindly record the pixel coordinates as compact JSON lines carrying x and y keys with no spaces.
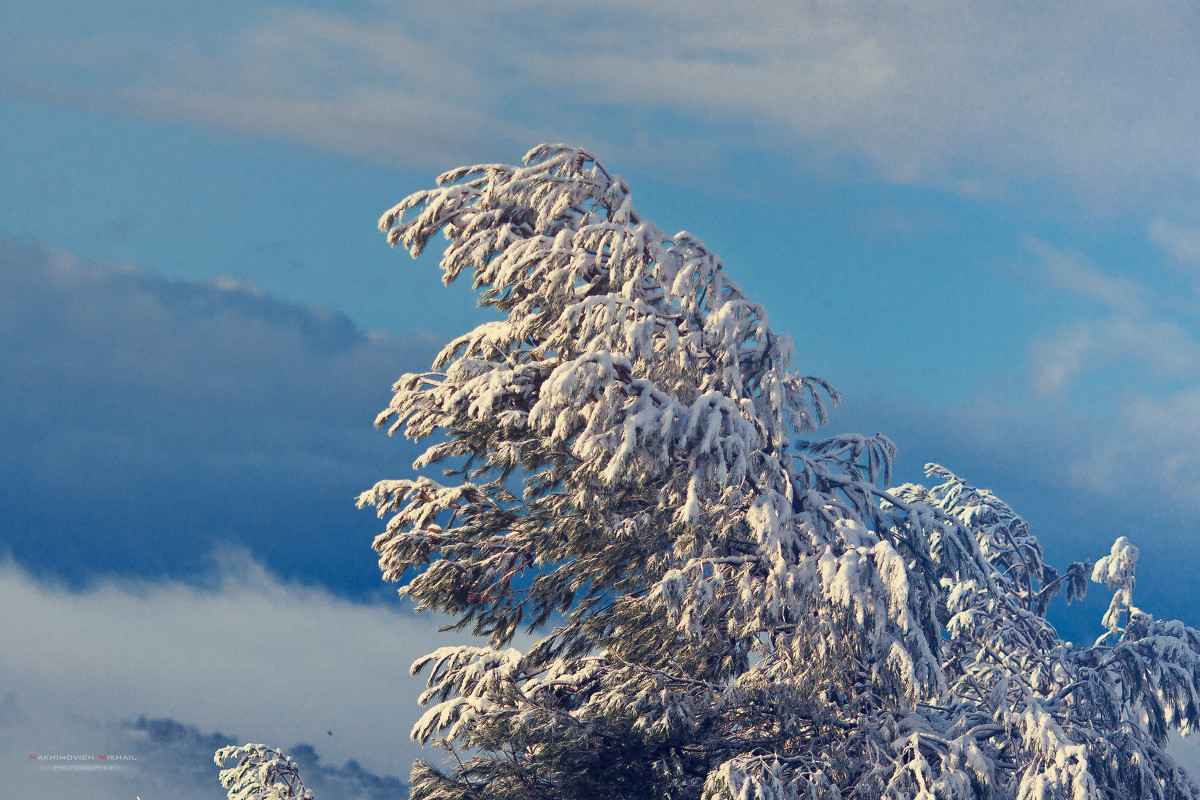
{"x":724,"y":605}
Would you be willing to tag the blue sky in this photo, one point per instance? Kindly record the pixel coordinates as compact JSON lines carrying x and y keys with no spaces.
{"x":980,"y":223}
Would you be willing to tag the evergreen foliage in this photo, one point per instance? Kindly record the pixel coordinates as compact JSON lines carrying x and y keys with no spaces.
{"x":726,"y":606}
{"x":261,"y":773}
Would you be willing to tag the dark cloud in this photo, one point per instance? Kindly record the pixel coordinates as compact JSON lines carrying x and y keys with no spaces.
{"x":349,"y":781}
{"x":162,"y":757}
{"x":150,"y":422}
{"x":182,"y":758}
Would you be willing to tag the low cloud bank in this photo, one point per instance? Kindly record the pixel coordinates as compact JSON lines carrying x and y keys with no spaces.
{"x":110,"y":670}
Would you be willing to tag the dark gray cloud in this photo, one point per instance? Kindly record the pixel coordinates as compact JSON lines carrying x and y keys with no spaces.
{"x":162,"y":757}
{"x":148,"y":422}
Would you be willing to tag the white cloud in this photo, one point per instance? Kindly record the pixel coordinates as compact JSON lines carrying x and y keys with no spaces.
{"x":228,"y":283}
{"x":256,"y":659}
{"x":1101,"y":96}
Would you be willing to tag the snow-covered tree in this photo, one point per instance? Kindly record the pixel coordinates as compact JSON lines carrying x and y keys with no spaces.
{"x":722,"y":604}
{"x":261,"y":773}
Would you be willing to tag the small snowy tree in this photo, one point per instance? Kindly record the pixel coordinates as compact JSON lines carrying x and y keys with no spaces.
{"x":261,"y":773}
{"x":724,"y":606}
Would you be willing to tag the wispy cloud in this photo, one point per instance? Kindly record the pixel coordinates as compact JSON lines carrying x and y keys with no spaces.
{"x":1148,"y":350}
{"x":1130,"y":325}
{"x":1118,"y":382}
{"x":1073,"y":273}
